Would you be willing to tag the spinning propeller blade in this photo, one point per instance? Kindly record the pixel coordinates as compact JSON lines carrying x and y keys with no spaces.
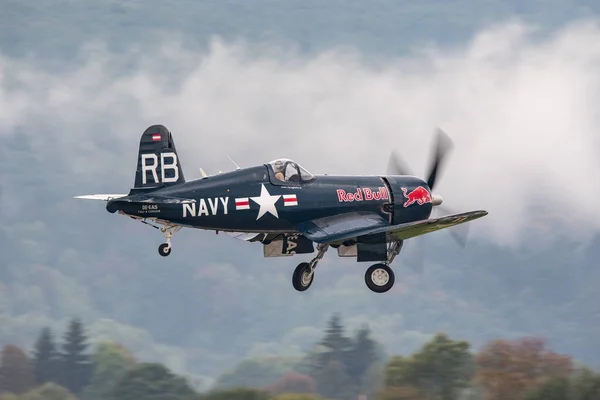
{"x":444,"y":145}
{"x":459,"y":232}
{"x":397,"y":166}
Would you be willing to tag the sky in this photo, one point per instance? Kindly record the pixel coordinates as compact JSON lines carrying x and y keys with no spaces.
{"x":522,"y":112}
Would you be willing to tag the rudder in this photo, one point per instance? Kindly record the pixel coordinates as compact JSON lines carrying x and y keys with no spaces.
{"x":158,"y":164}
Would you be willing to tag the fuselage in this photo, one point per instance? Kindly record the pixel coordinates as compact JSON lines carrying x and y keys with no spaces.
{"x":254,"y":200}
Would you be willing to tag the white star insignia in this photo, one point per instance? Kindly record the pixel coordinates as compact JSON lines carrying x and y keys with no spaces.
{"x":266,"y":202}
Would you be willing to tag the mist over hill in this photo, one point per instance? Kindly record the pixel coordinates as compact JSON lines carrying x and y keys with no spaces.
{"x":335,"y":87}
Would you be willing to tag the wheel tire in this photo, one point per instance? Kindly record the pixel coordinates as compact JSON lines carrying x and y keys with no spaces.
{"x":300,"y":278}
{"x":164,"y":250}
{"x":379,"y":278}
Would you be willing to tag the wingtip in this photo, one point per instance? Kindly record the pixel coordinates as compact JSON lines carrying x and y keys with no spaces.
{"x":480,"y":213}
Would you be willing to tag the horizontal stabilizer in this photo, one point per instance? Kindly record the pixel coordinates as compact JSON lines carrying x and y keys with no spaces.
{"x":137,"y":198}
{"x":150,"y":198}
{"x":105,"y":197}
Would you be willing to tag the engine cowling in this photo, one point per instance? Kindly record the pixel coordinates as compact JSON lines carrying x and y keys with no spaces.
{"x":411,"y":199}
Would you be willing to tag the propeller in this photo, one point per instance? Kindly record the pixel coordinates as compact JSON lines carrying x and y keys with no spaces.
{"x":442,"y":147}
{"x":397,"y":166}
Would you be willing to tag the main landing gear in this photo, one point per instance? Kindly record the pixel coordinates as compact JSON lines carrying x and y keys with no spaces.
{"x":380,"y":277}
{"x":305,"y":271}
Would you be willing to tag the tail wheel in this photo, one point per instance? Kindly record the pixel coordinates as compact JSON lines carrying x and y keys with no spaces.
{"x":379,"y":278}
{"x":164,"y":249}
{"x":302,"y":277}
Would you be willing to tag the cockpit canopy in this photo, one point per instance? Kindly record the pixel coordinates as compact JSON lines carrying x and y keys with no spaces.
{"x":285,"y":170}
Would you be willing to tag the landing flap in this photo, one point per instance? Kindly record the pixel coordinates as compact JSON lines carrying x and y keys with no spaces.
{"x":342,"y":226}
{"x":246,"y":236}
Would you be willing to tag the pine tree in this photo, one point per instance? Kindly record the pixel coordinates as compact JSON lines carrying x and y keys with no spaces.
{"x":336,"y":343}
{"x":45,"y":357}
{"x":362,"y":354}
{"x":330,"y":365}
{"x":334,"y":383}
{"x":75,"y":364}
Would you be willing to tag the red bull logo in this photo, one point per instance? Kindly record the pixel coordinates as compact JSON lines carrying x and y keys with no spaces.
{"x":363,"y":194}
{"x":420,"y":196}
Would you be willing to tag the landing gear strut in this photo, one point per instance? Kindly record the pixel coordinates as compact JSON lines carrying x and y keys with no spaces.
{"x":305,"y":271}
{"x":380,"y":277}
{"x":168,"y":232}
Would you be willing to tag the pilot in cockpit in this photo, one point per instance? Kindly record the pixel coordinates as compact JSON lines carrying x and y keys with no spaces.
{"x":278,"y":169}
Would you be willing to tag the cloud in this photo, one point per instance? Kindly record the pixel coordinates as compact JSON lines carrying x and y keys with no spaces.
{"x":521,"y":109}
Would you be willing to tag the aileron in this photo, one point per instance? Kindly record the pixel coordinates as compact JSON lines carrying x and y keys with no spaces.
{"x":351,"y":226}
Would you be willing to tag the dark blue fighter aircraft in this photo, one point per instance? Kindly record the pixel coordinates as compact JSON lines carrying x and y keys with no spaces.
{"x":286,"y":208}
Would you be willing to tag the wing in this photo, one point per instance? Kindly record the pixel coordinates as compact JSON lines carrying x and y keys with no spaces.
{"x":105,"y":197}
{"x":350,"y":226}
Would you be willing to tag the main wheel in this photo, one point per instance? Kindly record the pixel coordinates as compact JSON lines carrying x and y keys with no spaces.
{"x":379,"y":278}
{"x":164,"y":249}
{"x":302,"y":278}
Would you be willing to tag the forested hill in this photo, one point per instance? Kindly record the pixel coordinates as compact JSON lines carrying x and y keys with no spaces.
{"x":70,"y":125}
{"x":343,"y":368}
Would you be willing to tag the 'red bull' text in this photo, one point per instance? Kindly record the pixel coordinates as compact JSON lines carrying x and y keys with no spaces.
{"x":363,"y":194}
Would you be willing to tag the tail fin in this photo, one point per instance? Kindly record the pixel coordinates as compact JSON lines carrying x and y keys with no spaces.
{"x":158,"y":165}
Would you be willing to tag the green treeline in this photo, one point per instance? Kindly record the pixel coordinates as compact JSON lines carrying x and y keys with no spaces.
{"x":340,"y":367}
